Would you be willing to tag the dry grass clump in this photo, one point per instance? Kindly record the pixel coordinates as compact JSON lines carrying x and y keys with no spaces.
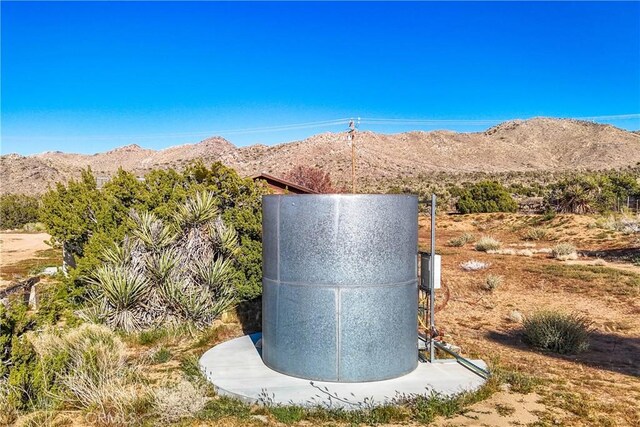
{"x":535,"y":233}
{"x":511,"y":251}
{"x":8,"y":413}
{"x":564,"y":251}
{"x":557,"y":332}
{"x":179,"y":401}
{"x":626,"y":224}
{"x":473,"y":265}
{"x":462,"y":240}
{"x":91,"y":369}
{"x":492,"y":282}
{"x":487,"y":243}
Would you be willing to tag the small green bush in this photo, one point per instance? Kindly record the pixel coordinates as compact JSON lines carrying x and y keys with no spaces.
{"x":190,"y":367}
{"x":287,"y":414}
{"x":487,"y":243}
{"x":492,"y":282}
{"x":151,"y":336}
{"x":564,"y":251}
{"x":485,"y":196}
{"x":557,"y":332}
{"x":162,"y":355}
{"x":461,"y":241}
{"x":16,"y":210}
{"x":225,"y":407}
{"x":535,"y":233}
{"x":8,"y":412}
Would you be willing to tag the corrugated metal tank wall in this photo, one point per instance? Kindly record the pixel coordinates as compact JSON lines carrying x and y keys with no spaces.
{"x":340,"y":286}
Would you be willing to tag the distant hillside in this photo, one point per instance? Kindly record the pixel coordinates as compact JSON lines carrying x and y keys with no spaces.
{"x":539,"y":144}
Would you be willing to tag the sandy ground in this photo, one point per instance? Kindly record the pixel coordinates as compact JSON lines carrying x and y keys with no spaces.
{"x":600,"y":263}
{"x":500,"y":410}
{"x":16,"y":247}
{"x":598,"y":387}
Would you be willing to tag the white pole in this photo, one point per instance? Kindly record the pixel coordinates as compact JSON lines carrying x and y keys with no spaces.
{"x":432,"y":280}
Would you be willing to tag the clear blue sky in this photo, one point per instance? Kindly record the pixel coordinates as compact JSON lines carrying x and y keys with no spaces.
{"x":87,"y":77}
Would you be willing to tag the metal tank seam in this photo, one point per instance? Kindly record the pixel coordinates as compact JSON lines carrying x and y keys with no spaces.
{"x":339,"y":286}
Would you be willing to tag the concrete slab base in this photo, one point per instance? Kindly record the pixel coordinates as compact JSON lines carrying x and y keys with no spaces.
{"x":236,"y":369}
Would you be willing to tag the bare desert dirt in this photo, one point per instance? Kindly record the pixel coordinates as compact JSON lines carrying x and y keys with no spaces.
{"x":598,"y":387}
{"x":16,"y":248}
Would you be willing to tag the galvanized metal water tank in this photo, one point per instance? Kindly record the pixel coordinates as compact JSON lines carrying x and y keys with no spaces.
{"x":340,"y":286}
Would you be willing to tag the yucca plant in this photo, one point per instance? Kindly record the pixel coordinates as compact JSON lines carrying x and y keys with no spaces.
{"x":213,"y":274}
{"x":224,"y":238}
{"x":151,"y":231}
{"x":121,"y":292}
{"x":198,"y":210}
{"x":179,"y":271}
{"x":160,"y":266}
{"x":120,"y":255}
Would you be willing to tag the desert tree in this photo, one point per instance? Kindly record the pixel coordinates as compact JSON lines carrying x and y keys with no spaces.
{"x":311,"y":177}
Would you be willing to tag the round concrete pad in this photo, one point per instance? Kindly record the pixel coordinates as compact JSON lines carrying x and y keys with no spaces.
{"x":236,"y":369}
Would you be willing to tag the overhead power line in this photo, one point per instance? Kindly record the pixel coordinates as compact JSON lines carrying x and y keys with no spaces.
{"x":278,"y":128}
{"x":321,"y":124}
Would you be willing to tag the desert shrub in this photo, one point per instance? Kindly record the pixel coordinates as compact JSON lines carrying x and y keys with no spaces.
{"x":190,"y":367}
{"x":626,"y":224}
{"x":288,"y":414}
{"x":518,"y":381}
{"x":485,"y":196}
{"x":535,"y":233}
{"x":179,"y":401}
{"x":224,"y":406}
{"x":557,"y":332}
{"x":7,"y":324}
{"x":24,"y":385}
{"x":34,"y":227}
{"x":492,"y":282}
{"x":548,"y":215}
{"x":487,"y":243}
{"x":622,"y":184}
{"x":311,"y":177}
{"x":178,"y":271}
{"x":16,"y":210}
{"x":564,"y":251}
{"x":8,"y":412}
{"x":84,"y":219}
{"x":89,"y":369}
{"x":581,"y":194}
{"x":473,"y":265}
{"x":161,"y":355}
{"x":461,"y":240}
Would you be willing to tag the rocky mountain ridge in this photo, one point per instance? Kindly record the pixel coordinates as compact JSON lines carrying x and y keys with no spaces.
{"x":540,"y":144}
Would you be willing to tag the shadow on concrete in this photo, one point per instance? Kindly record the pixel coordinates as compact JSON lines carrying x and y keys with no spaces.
{"x":606,"y":351}
{"x":249,"y":315}
{"x":614,"y":255}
